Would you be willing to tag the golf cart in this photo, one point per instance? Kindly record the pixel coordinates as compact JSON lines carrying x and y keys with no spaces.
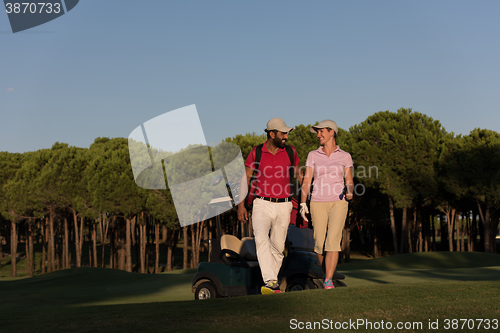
{"x":233,"y":269}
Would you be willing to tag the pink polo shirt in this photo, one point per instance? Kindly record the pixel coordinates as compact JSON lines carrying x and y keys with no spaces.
{"x":273,"y":175}
{"x":328,"y":173}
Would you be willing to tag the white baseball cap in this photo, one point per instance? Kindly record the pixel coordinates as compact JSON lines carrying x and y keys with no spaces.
{"x":324,"y":124}
{"x":277,"y":124}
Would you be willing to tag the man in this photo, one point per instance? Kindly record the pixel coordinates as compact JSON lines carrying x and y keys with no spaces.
{"x":272,"y":205}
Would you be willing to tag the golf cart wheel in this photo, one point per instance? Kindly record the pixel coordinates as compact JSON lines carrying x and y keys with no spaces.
{"x":206,"y":290}
{"x":299,"y":284}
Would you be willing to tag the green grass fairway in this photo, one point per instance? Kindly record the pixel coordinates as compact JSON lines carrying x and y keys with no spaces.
{"x":95,"y":286}
{"x":423,"y":267}
{"x":454,"y":286}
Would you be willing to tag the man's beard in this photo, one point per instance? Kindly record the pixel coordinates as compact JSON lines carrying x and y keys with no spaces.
{"x":278,"y":142}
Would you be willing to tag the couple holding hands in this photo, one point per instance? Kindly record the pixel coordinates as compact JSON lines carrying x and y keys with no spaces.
{"x":331,"y":169}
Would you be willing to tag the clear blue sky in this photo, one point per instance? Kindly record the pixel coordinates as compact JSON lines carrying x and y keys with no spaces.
{"x":106,"y":67}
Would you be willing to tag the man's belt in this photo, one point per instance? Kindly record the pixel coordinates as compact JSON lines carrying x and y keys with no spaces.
{"x":276,"y":199}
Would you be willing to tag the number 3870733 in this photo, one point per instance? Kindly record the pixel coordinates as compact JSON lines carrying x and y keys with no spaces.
{"x":33,"y":8}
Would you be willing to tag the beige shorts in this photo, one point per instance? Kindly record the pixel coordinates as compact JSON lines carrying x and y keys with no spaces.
{"x":328,"y":219}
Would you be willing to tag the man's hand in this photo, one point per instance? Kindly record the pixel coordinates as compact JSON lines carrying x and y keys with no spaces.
{"x":303,"y":211}
{"x":242,"y":213}
{"x":348,"y":196}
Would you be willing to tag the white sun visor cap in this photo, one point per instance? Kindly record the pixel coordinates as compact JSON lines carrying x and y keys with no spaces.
{"x":324,"y":124}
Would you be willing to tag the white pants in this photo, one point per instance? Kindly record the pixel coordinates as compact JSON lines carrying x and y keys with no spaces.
{"x":270,"y":225}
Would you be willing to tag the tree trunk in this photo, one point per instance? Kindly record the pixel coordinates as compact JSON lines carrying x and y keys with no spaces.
{"x":376,"y":244}
{"x":164,"y":234}
{"x":112,"y":247}
{"x":52,"y":248}
{"x":468,"y":225}
{"x":71,"y":241}
{"x":13,"y":249}
{"x":145,"y":245}
{"x":77,"y":241}
{"x":464,"y":232}
{"x":132,"y":228}
{"x":170,"y":241}
{"x":157,"y":246}
{"x":103,"y":237}
{"x":450,"y":220}
{"x":427,"y":234}
{"x":26,"y":249}
{"x":32,"y":250}
{"x":210,"y":239}
{"x":428,"y":242}
{"x":57,"y":249}
{"x":80,"y":237}
{"x":142,"y":244}
{"x":199,"y":228}
{"x":489,"y":228}
{"x":94,"y":242}
{"x":104,"y":234}
{"x":121,"y":247}
{"x":149,"y":254}
{"x":495,"y":220}
{"x":48,"y":234}
{"x":1,"y":249}
{"x":193,"y":245}
{"x":185,"y":248}
{"x":451,"y":226}
{"x":404,"y":237}
{"x":43,"y":235}
{"x":433,"y":232}
{"x":141,"y":247}
{"x":467,"y":231}
{"x":474,"y":231}
{"x":204,"y":244}
{"x":418,"y":221}
{"x":346,"y":244}
{"x":66,"y":263}
{"x":29,"y":248}
{"x":412,"y":231}
{"x":128,"y":244}
{"x":393,"y":226}
{"x":90,"y":247}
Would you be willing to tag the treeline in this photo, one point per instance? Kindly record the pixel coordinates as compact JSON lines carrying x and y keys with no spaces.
{"x":61,"y":196}
{"x":408,"y":170}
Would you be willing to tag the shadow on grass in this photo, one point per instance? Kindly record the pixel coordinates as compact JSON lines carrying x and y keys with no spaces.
{"x":92,"y":286}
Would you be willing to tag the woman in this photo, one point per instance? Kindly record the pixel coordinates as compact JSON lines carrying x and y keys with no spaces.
{"x":329,"y":165}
